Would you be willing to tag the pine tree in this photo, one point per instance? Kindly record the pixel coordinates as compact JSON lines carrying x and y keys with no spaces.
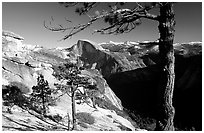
{"x":122,"y":20}
{"x":42,"y":95}
{"x":70,"y":74}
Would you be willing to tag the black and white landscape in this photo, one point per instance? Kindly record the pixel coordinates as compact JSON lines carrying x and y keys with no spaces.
{"x":111,"y":67}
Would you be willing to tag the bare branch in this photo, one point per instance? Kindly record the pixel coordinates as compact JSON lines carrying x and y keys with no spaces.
{"x":75,"y":30}
{"x":104,"y":29}
{"x":68,"y":20}
{"x":126,"y":20}
{"x":68,"y":4}
{"x":80,"y":27}
{"x":60,"y":28}
{"x":139,"y":5}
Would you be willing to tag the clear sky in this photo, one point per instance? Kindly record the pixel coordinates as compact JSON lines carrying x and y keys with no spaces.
{"x":26,"y":19}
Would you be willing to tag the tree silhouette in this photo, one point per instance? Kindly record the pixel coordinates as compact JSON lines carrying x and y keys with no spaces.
{"x":122,"y":20}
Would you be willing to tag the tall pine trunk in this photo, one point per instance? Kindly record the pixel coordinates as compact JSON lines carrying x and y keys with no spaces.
{"x":166,"y":110}
{"x":43,"y":100}
{"x":73,"y":107}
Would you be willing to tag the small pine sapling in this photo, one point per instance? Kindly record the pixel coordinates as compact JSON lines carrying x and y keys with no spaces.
{"x":42,"y":95}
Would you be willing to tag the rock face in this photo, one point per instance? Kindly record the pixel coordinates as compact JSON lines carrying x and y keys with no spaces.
{"x":24,"y":63}
{"x":21,"y":65}
{"x":105,"y":91}
{"x":14,"y":72}
{"x":94,"y":56}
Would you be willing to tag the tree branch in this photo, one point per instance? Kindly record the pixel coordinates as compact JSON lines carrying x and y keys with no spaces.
{"x":80,"y":27}
{"x":125,"y":22}
{"x":146,"y":15}
{"x":68,"y":4}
